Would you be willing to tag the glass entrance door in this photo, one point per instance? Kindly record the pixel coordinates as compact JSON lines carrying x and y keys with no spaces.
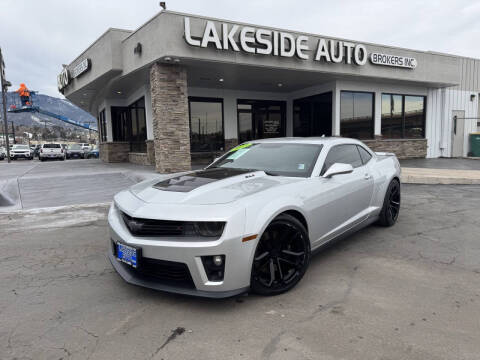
{"x":260,"y":119}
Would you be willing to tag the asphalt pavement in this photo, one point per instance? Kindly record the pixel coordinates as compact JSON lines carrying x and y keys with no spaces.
{"x":407,"y":292}
{"x":35,"y":184}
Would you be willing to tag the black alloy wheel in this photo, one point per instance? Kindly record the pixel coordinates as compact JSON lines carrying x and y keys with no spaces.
{"x":391,"y":204}
{"x":282,"y":256}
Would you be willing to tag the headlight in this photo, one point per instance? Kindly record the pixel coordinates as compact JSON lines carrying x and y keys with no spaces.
{"x":204,"y":228}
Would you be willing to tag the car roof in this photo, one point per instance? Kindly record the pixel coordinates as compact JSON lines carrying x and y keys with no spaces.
{"x":331,"y":140}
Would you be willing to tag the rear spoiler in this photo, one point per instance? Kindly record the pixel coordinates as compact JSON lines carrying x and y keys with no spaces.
{"x":384,"y":154}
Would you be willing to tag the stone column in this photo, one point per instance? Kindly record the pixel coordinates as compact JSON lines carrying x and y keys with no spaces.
{"x":171,"y":127}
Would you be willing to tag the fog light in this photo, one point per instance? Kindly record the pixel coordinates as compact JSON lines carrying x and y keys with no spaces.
{"x":214,"y":267}
{"x":217,"y":260}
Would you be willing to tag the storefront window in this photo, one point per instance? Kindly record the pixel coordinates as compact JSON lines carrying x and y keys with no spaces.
{"x":414,"y":117}
{"x":102,"y":126}
{"x":403,"y":116}
{"x":129,"y":124}
{"x":206,"y":124}
{"x":392,"y":116}
{"x":312,"y":116}
{"x":260,"y":119}
{"x":120,"y":123}
{"x":356,"y":114}
{"x":138,"y":126}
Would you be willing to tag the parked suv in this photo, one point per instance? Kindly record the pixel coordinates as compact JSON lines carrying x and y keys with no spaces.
{"x":20,"y":152}
{"x":3,"y":153}
{"x":51,"y":151}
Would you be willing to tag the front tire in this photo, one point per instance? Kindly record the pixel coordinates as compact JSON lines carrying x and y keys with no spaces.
{"x":281,"y":257}
{"x":391,"y":204}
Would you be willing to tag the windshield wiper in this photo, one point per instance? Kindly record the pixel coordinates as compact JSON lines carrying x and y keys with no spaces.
{"x":269,"y":173}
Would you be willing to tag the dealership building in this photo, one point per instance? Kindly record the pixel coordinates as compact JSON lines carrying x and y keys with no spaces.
{"x":183,"y":88}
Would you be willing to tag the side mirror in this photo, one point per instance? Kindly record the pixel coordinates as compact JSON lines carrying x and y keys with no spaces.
{"x":337,"y":169}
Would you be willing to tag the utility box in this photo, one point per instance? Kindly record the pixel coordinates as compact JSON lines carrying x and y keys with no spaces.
{"x":475,"y":144}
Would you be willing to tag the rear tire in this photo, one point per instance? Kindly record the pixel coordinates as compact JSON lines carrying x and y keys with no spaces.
{"x":281,"y":257}
{"x":391,"y":205}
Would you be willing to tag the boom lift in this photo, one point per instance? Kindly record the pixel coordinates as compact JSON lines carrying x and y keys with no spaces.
{"x":24,"y":102}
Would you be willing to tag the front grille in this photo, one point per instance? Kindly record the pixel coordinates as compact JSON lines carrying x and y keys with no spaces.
{"x":150,"y":227}
{"x":167,"y":272}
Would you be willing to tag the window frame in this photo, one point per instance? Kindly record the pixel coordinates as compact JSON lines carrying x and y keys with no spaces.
{"x":207,"y":100}
{"x":372,"y":134}
{"x":403,"y":115}
{"x":368,"y":152}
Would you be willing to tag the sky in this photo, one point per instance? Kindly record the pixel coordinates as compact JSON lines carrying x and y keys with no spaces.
{"x":38,"y":36}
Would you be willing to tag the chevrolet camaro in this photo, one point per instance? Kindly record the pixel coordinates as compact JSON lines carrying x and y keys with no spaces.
{"x":251,"y":219}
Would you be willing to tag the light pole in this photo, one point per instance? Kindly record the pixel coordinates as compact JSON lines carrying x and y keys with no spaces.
{"x":13,"y":132}
{"x":4,"y":84}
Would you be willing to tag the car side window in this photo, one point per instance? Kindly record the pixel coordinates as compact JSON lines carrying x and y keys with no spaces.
{"x":345,"y":154}
{"x":364,"y":154}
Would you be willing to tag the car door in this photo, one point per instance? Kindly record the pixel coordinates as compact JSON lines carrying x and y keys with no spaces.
{"x":342,"y":201}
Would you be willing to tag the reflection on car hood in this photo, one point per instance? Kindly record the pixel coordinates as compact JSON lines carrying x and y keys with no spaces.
{"x":211,"y":186}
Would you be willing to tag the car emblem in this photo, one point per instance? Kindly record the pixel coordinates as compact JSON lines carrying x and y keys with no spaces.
{"x":135,"y":226}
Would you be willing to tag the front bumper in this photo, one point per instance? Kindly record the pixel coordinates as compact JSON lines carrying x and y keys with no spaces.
{"x":188,"y":251}
{"x":20,"y":155}
{"x":75,"y":155}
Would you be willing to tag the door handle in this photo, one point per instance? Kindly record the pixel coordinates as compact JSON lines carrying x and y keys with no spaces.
{"x":367,"y":176}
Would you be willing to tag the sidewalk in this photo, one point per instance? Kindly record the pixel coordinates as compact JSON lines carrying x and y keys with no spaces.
{"x":441,"y":171}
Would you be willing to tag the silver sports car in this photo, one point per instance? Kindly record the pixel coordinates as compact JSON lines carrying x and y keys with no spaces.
{"x":251,"y":219}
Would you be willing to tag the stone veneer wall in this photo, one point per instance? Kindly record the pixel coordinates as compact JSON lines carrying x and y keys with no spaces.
{"x":402,"y":148}
{"x":150,"y":151}
{"x":114,"y":151}
{"x":171,"y":128}
{"x":138,"y":158}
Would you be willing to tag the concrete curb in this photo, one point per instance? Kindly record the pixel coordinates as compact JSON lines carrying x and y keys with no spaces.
{"x":9,"y":195}
{"x":440,"y":176}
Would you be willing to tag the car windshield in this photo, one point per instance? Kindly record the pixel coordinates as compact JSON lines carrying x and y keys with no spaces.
{"x":75,"y":147}
{"x":51,"y":146}
{"x":21,"y":147}
{"x":282,"y":159}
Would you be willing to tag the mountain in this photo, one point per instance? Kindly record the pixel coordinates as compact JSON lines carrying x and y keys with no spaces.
{"x":52,"y":104}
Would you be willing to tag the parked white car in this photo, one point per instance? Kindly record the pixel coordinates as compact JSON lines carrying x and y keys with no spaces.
{"x":51,"y":151}
{"x":86,"y":147}
{"x":20,"y":152}
{"x":252,"y":218}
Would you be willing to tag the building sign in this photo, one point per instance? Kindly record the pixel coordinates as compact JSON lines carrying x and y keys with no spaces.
{"x":82,"y":67}
{"x":64,"y":78}
{"x":276,"y":43}
{"x":272,"y":127}
{"x":393,"y":60}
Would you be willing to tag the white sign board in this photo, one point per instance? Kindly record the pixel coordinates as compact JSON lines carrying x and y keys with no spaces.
{"x":82,"y":67}
{"x":393,"y":60}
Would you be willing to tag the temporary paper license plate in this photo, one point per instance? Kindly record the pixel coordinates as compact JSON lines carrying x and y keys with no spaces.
{"x":127,"y":254}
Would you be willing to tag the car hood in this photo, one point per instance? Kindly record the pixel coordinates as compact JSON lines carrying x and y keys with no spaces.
{"x":210,"y":186}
